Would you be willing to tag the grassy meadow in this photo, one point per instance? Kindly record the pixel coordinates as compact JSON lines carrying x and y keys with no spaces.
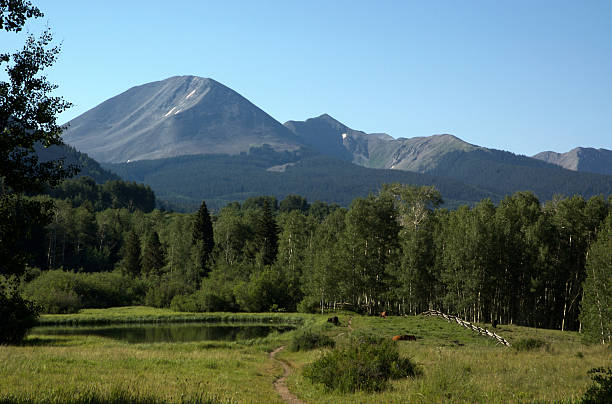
{"x":457,"y":365}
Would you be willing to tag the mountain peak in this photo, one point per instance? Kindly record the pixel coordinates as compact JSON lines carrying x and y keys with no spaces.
{"x":176,"y":116}
{"x":580,"y":159}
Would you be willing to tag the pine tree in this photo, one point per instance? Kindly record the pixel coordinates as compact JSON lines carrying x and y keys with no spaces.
{"x":153,"y":259}
{"x":203,"y":236}
{"x":131,"y":254}
{"x":267,"y":235}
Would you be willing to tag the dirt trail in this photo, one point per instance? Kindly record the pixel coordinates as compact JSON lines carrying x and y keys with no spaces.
{"x":280,"y":384}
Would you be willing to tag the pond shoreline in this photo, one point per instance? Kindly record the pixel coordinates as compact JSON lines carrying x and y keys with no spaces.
{"x":150,"y":315}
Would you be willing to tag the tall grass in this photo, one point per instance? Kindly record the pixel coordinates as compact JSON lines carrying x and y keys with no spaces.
{"x":93,"y":396}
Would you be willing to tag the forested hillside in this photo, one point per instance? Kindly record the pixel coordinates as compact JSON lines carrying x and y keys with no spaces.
{"x":219,"y":179}
{"x":517,"y":261}
{"x":87,"y":166}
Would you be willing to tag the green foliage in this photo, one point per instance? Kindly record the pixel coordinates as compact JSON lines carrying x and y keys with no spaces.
{"x":203,"y":236}
{"x":202,"y":301}
{"x":28,"y":113}
{"x":365,"y":364}
{"x":67,"y":292}
{"x":528,"y":344}
{"x":163,"y":289}
{"x":153,"y":257}
{"x":596,"y":305}
{"x":305,"y":340}
{"x":22,"y":224}
{"x":131,"y":262}
{"x":267,"y":234}
{"x":265,"y":290}
{"x":17,"y":314}
{"x":293,"y":202}
{"x":113,"y":194}
{"x":309,"y":304}
{"x":601,"y":391}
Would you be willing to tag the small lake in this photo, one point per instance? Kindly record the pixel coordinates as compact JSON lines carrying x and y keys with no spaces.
{"x":167,"y":332}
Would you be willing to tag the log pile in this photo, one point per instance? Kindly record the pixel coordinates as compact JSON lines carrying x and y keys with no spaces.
{"x":466,"y":324}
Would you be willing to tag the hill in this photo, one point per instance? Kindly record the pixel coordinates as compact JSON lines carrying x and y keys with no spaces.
{"x":581,"y":159}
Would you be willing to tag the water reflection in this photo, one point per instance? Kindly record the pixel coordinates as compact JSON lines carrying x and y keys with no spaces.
{"x":182,"y":332}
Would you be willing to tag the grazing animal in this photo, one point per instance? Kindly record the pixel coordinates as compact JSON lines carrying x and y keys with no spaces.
{"x":404,"y":338}
{"x":383,"y":314}
{"x":494,"y":324}
{"x":334,"y":320}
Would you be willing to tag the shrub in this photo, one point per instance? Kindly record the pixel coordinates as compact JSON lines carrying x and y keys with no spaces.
{"x":309,"y":304}
{"x":528,"y":344}
{"x":67,"y":292}
{"x":307,"y":339}
{"x":202,"y":301}
{"x":601,"y":391}
{"x":55,"y":292}
{"x":165,"y":288}
{"x":17,"y":315}
{"x":364,"y":364}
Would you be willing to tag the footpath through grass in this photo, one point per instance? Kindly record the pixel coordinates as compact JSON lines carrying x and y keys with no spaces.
{"x":457,"y":364}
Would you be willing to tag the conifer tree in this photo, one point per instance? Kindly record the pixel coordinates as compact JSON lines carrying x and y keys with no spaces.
{"x":267,"y":235}
{"x":131,"y":254}
{"x":153,"y":259}
{"x":203,"y":235}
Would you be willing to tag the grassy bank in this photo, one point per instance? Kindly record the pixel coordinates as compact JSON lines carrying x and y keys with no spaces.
{"x":458,"y":365}
{"x":142,"y":314}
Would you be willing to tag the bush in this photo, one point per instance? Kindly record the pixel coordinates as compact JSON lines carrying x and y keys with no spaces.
{"x":165,"y":288}
{"x":202,"y":301}
{"x":601,"y":391}
{"x":365,"y":364}
{"x":67,"y":292}
{"x":309,"y":304}
{"x":307,"y":340}
{"x":528,"y":344}
{"x":17,"y":315}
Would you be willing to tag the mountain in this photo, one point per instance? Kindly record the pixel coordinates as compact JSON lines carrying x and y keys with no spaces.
{"x":375,"y":150}
{"x":88,"y":166}
{"x":173,"y":117}
{"x":192,"y":138}
{"x":581,"y":159}
{"x":498,"y":171}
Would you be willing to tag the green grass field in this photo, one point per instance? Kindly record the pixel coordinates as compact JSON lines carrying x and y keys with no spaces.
{"x":458,"y":365}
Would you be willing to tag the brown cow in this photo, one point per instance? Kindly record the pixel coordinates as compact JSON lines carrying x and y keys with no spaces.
{"x":404,"y":338}
{"x":383,"y":314}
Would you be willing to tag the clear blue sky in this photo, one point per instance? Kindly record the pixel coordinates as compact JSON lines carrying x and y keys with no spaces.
{"x":523,"y":76}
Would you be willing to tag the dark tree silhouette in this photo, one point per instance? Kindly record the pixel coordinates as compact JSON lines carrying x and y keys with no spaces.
{"x":131,"y":254}
{"x":203,"y":236}
{"x":153,"y":258}
{"x":267,"y":234}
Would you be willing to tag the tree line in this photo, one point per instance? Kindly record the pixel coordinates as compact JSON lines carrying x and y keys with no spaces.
{"x":519,"y":262}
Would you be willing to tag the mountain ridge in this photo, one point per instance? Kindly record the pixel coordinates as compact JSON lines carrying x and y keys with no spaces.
{"x":166,"y":120}
{"x":586,"y":159}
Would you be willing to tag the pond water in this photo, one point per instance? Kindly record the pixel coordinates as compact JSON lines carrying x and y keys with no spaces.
{"x":167,"y":332}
